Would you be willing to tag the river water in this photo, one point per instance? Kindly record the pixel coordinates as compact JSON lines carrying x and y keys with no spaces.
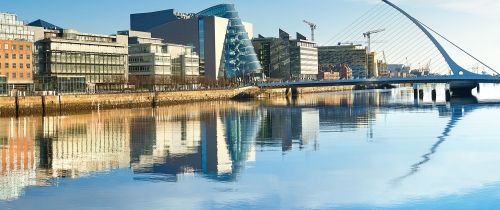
{"x":353,"y":150}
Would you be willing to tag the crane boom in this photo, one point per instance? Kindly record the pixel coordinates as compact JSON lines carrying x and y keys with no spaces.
{"x":368,"y":35}
{"x":312,"y":26}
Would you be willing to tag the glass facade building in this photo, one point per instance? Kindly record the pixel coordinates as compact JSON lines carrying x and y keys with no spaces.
{"x":221,"y":38}
{"x":239,"y":55}
{"x":3,"y":85}
{"x":102,"y":61}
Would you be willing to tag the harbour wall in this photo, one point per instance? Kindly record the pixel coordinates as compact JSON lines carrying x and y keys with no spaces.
{"x":50,"y":105}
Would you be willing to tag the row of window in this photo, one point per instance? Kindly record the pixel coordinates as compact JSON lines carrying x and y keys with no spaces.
{"x":15,"y":47}
{"x":14,"y":56}
{"x":14,"y":75}
{"x":14,"y":65}
{"x":86,"y":58}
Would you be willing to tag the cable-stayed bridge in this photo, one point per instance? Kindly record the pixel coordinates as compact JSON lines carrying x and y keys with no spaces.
{"x":405,"y":40}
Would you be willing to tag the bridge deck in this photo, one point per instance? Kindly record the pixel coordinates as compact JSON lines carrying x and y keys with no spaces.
{"x":381,"y":81}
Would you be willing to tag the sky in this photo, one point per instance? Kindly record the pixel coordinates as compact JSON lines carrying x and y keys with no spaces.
{"x":471,"y":24}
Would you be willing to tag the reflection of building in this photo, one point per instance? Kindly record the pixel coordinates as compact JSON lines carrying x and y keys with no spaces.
{"x":219,"y":35}
{"x":289,"y":59}
{"x":16,"y":51}
{"x":286,"y":126}
{"x":74,"y":147}
{"x":70,"y":61}
{"x":157,"y":144}
{"x":154,"y":63}
{"x":215,"y":144}
{"x":18,"y":161}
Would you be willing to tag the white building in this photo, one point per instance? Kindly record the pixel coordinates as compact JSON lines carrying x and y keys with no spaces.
{"x":153,"y":63}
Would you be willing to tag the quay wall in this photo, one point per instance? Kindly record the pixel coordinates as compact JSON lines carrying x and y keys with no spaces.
{"x":48,"y":105}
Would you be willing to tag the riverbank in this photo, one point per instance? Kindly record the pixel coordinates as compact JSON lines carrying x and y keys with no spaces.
{"x":50,"y":105}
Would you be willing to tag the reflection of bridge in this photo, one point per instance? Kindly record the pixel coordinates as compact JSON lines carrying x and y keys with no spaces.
{"x":461,"y":81}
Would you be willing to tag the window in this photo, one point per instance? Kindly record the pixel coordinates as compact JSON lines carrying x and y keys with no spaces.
{"x":28,"y":75}
{"x":14,"y":65}
{"x":6,"y":55}
{"x":7,"y":74}
{"x":21,"y":65}
{"x":21,"y":56}
{"x":6,"y":65}
{"x":14,"y":56}
{"x":21,"y":47}
{"x":14,"y":75}
{"x":6,"y":47}
{"x":28,"y":65}
{"x":14,"y":46}
{"x":28,"y":47}
{"x":21,"y":75}
{"x":28,"y":56}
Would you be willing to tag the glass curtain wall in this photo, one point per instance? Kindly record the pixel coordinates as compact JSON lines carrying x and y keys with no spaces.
{"x":240,"y":58}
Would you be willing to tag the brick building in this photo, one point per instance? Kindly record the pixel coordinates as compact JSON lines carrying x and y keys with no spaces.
{"x":16,"y":63}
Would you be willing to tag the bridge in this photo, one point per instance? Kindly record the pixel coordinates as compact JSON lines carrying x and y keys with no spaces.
{"x":461,"y":81}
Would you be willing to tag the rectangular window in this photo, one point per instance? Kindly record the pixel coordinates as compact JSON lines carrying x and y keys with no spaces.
{"x":21,"y":47}
{"x":28,"y":56}
{"x":14,"y":65}
{"x":6,"y":47}
{"x":28,"y":47}
{"x":6,"y":55}
{"x":14,"y":75}
{"x":6,"y":65}
{"x":28,"y":75}
{"x":21,"y":56}
{"x":14,"y":46}
{"x":28,"y":65}
{"x":21,"y":65}
{"x":21,"y":75}
{"x":14,"y":56}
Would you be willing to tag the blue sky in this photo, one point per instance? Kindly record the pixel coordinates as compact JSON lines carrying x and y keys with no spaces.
{"x":472,"y":24}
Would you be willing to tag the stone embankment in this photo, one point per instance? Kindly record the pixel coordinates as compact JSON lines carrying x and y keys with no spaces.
{"x":49,"y":105}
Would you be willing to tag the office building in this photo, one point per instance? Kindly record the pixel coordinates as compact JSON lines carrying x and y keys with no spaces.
{"x":286,"y":58}
{"x":71,"y":61}
{"x":16,"y":51}
{"x":3,"y":84}
{"x":218,"y":34}
{"x":262,"y":46}
{"x":354,"y":56}
{"x":155,"y":64}
{"x":373,"y":70}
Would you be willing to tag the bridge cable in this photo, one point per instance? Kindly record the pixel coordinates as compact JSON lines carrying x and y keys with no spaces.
{"x":342,"y":32}
{"x":458,"y":47}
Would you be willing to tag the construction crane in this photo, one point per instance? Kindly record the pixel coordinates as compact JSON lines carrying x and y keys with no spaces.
{"x":368,"y":35}
{"x":313,"y":28}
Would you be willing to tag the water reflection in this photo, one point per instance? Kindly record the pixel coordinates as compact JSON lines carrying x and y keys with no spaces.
{"x":214,"y":141}
{"x":458,"y":109}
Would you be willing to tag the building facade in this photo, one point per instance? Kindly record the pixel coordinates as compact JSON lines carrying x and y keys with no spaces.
{"x":262,"y":46}
{"x":288,"y":59}
{"x":16,"y":51}
{"x":16,"y":63}
{"x":70,"y":61}
{"x":3,"y":85}
{"x":157,"y":65}
{"x":218,"y":34}
{"x":354,"y":56}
